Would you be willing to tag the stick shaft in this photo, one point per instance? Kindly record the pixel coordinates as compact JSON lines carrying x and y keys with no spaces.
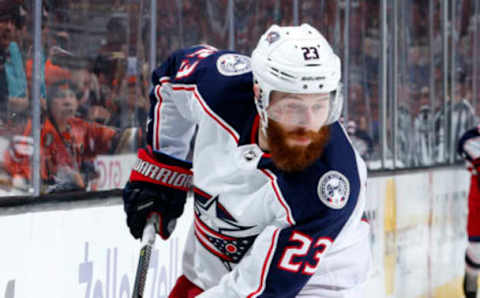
{"x":148,"y":240}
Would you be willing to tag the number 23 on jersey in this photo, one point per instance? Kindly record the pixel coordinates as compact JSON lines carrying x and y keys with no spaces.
{"x":294,"y":257}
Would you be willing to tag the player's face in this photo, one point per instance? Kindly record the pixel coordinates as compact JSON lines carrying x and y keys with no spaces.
{"x":299,"y":115}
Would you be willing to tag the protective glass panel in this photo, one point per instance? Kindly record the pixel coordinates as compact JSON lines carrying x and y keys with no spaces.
{"x":252,"y":18}
{"x":362,"y":72}
{"x":93,"y":89}
{"x":184,"y":23}
{"x":192,"y":22}
{"x":439,"y":90}
{"x":101,"y":51}
{"x":172,"y":19}
{"x":474,"y":32}
{"x":421,"y":55}
{"x":325,"y":16}
{"x":462,"y":114}
{"x":362,"y":97}
{"x":412,"y":114}
{"x":16,"y":142}
{"x":215,"y":21}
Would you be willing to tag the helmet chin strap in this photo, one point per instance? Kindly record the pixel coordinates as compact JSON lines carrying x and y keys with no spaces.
{"x":263,"y":137}
{"x":264,"y":126}
{"x":261,"y":104}
{"x":264,"y":123}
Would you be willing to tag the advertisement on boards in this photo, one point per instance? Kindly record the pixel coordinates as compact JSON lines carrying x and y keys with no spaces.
{"x":113,"y":170}
{"x":85,"y":253}
{"x":418,"y":243}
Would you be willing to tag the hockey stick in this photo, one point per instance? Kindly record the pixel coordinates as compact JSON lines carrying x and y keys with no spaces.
{"x":148,"y":240}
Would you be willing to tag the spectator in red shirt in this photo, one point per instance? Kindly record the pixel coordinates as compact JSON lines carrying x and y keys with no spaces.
{"x":68,"y":144}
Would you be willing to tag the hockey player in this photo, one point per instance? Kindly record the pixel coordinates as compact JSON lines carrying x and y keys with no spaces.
{"x":469,"y":148}
{"x":279,"y":191}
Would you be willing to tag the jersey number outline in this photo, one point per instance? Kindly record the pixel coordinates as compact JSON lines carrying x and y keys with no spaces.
{"x":310,"y":53}
{"x":186,"y":67}
{"x":300,"y":251}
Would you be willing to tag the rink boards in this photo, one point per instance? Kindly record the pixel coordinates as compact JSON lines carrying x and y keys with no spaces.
{"x":78,"y":250}
{"x":418,"y":233}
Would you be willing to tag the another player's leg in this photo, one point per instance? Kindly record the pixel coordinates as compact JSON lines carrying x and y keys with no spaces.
{"x":184,"y":289}
{"x":472,"y":255}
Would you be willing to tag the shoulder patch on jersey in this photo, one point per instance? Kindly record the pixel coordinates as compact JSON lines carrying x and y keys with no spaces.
{"x":333,"y":189}
{"x":233,"y":64}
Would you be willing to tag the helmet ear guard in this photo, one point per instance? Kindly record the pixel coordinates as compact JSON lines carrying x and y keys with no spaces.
{"x":296,"y":60}
{"x":336,"y":105}
{"x":261,"y":103}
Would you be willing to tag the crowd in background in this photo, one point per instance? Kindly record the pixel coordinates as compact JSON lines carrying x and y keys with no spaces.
{"x":95,"y":69}
{"x":93,"y":93}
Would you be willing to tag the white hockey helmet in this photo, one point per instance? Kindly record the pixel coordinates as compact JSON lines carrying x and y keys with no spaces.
{"x":296,"y":59}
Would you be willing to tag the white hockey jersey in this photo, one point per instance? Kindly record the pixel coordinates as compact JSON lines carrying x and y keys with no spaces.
{"x":257,"y":231}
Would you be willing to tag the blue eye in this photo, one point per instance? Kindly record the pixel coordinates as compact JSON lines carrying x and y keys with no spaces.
{"x":318,"y":107}
{"x":294,"y":106}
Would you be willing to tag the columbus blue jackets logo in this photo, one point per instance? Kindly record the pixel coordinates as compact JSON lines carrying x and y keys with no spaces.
{"x":333,"y":189}
{"x":272,"y":37}
{"x":233,"y":64}
{"x":218,"y":231}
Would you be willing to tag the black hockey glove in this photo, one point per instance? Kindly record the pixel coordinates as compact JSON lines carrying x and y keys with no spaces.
{"x":158,"y":186}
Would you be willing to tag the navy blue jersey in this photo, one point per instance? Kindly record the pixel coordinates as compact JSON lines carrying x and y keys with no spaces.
{"x":258,"y":231}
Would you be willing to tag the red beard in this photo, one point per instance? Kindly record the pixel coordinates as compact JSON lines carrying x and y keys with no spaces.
{"x":295,"y":158}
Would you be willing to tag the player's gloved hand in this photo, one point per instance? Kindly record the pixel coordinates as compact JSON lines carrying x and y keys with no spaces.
{"x":158,"y":185}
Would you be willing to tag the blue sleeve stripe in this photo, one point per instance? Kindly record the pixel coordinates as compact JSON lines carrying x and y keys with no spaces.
{"x":266,"y":265}
{"x":278,"y":194}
